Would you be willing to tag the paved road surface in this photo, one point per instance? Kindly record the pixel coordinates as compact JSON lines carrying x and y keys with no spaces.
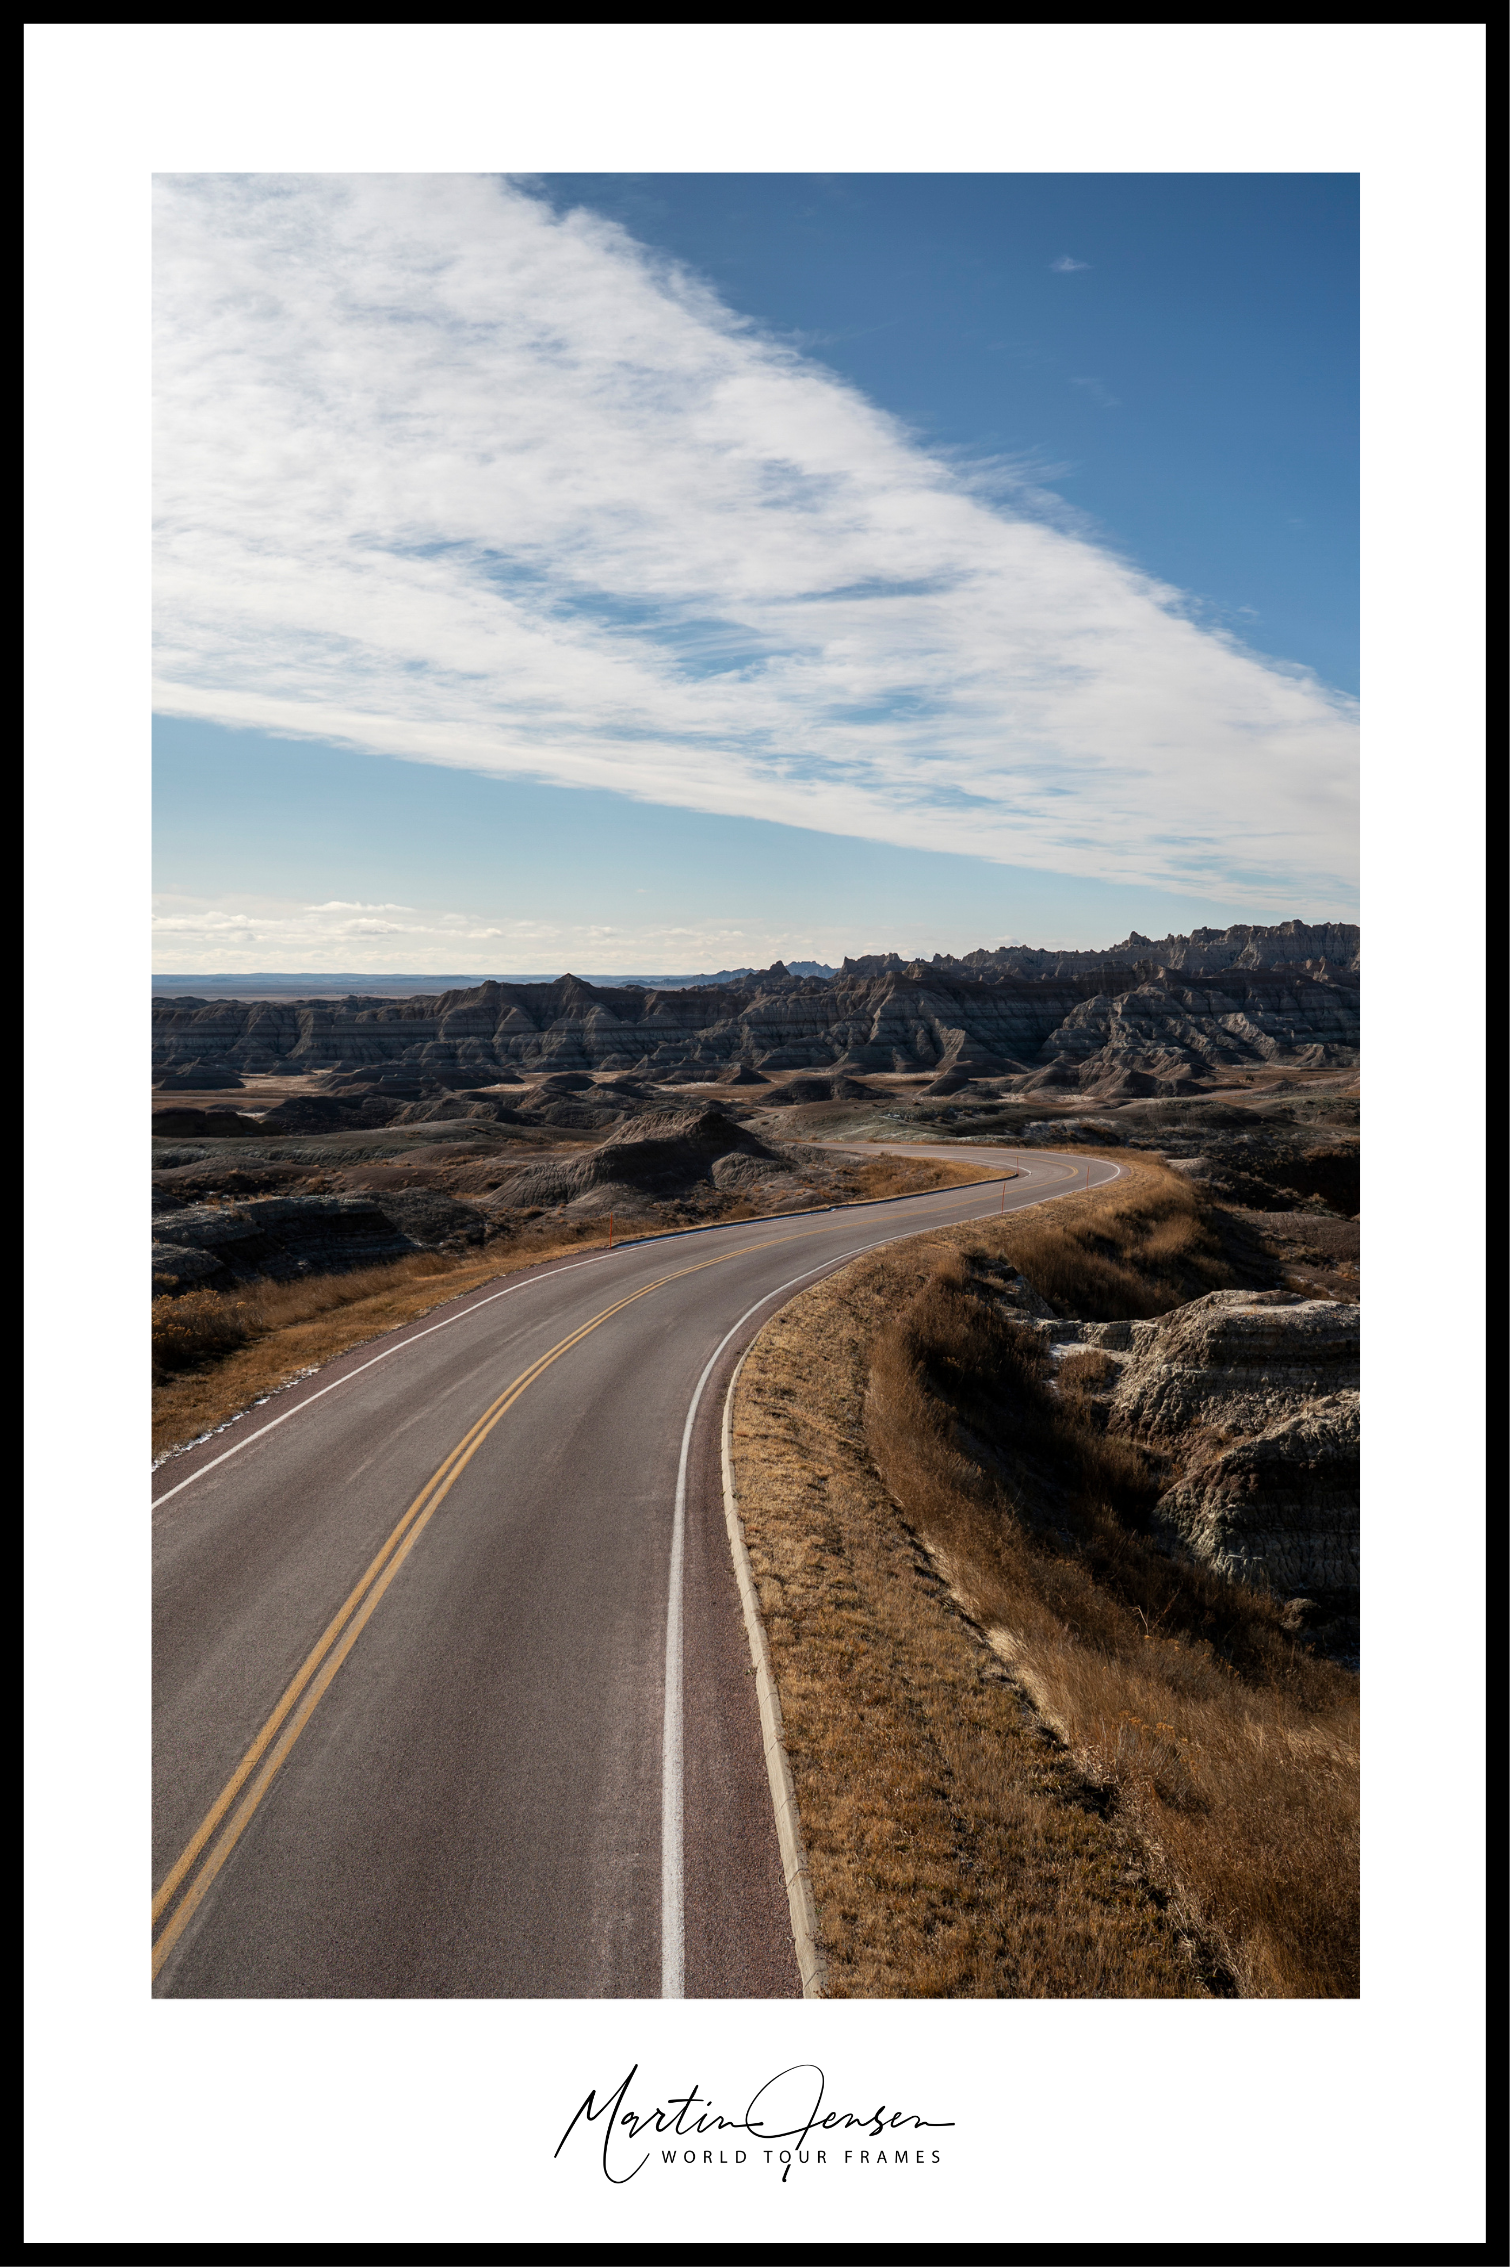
{"x":452,"y":1693}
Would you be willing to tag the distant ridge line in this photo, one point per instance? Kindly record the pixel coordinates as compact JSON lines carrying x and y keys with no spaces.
{"x":1146,"y":1019}
{"x":1245,"y":945}
{"x":375,"y":984}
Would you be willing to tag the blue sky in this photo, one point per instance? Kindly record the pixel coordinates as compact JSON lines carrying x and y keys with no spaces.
{"x":370,"y":847}
{"x":651,"y":572}
{"x":1193,"y":384}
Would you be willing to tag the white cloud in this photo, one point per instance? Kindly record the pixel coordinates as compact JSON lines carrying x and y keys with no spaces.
{"x":444,"y":476}
{"x":271,"y":934}
{"x":1098,"y":392}
{"x":1065,"y":265}
{"x":275,"y":934}
{"x":348,"y":905}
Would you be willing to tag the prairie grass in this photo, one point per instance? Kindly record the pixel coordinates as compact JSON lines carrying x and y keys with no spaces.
{"x":872,"y":1177}
{"x":956,"y":1850}
{"x":1034,"y":1757}
{"x":231,"y":1349}
{"x":1229,"y":1751}
{"x":1078,"y":1371}
{"x":1139,"y":1250}
{"x":198,"y":1326}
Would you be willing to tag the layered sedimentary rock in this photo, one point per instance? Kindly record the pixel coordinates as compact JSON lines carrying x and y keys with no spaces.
{"x":214,"y":1247}
{"x":1285,"y":944}
{"x":1247,"y":1406}
{"x":1253,"y":1398}
{"x":1282,"y":1505}
{"x":1162,"y":1024}
{"x":1238,"y":1360}
{"x":1120,"y":1028}
{"x":663,"y":1155}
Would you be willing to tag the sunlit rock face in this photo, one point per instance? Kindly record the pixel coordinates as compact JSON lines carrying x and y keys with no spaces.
{"x":1250,"y":1402}
{"x":1114,"y":1023}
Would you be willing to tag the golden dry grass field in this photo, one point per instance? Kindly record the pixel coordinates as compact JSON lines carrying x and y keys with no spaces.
{"x":1034,"y":1757}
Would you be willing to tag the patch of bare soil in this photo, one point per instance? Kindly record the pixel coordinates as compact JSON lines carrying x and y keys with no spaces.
{"x":459,"y":1169}
{"x":255,"y":1093}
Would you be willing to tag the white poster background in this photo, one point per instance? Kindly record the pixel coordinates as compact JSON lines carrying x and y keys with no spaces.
{"x":317,"y":2122}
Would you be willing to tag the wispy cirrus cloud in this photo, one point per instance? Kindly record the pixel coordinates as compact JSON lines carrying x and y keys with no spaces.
{"x":271,"y":933}
{"x":352,"y":905}
{"x":206,"y":929}
{"x":1066,"y":266}
{"x":445,"y":476}
{"x":1102,"y":395}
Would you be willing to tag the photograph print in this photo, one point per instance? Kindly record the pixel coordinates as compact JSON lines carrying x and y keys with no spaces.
{"x":755,"y":1087}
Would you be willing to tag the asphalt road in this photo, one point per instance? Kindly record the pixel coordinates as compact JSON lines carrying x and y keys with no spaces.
{"x":452,"y":1695}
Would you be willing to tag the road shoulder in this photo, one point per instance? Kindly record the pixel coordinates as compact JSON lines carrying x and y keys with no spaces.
{"x":953,"y":1849}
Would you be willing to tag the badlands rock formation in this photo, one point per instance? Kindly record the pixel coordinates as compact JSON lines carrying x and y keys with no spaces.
{"x":1117,"y":1024}
{"x":1251,"y":1399}
{"x":652,"y":1160}
{"x":659,"y":1156}
{"x":216,"y":1247}
{"x":1205,"y":952}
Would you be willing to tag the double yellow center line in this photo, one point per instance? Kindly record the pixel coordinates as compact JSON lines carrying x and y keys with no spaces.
{"x":313,"y":1679}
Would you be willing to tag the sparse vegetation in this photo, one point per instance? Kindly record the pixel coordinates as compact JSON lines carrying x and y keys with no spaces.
{"x":1078,"y":1371}
{"x":956,"y":1850}
{"x":1142,"y":1248}
{"x":1230,"y":1750}
{"x":200,"y":1326}
{"x":1179,"y":1740}
{"x":234,"y":1348}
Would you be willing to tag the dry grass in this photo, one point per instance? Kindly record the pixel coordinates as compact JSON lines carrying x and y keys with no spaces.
{"x":955,"y":1850}
{"x":202,"y":1325}
{"x":873,"y":1177}
{"x":1230,"y":1751}
{"x":1171,"y":1806}
{"x":1139,"y":1249}
{"x":245,"y":1346}
{"x":1078,"y":1371}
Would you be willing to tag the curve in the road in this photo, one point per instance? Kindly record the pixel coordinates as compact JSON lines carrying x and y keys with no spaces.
{"x":471,"y":1810}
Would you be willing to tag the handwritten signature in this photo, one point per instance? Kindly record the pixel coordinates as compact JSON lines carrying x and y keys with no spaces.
{"x":789,"y":2107}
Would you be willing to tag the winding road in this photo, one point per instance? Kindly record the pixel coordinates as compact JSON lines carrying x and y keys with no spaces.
{"x":452,"y":1692}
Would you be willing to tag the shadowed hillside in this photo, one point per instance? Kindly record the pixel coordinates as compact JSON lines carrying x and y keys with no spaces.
{"x":1144,"y":1020}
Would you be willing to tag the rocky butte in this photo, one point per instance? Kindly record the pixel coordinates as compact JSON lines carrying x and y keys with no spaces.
{"x":1140,"y":1019}
{"x":1250,"y":1401}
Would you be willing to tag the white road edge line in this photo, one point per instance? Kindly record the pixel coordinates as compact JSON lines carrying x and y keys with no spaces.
{"x":801,"y":1907}
{"x":673,"y":1921}
{"x":672,"y":1908}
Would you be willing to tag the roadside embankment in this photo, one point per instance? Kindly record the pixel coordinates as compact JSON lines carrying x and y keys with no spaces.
{"x":1036,"y":1753}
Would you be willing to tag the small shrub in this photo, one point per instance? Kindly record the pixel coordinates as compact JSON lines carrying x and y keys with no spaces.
{"x":198,"y":1327}
{"x":1091,"y":1368}
{"x":202,"y":1326}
